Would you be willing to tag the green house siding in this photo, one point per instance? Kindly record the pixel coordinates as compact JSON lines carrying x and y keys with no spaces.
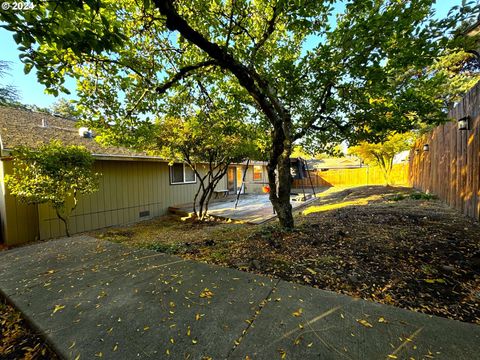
{"x":128,"y":189}
{"x":19,"y":222}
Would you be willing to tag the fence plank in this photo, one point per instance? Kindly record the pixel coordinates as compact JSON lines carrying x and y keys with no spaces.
{"x":451,"y":169}
{"x":353,"y":177}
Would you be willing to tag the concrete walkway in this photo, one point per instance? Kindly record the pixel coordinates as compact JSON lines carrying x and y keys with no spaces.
{"x":95,"y":299}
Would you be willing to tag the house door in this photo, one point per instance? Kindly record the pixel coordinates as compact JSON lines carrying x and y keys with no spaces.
{"x":240,"y":171}
{"x":232,"y":179}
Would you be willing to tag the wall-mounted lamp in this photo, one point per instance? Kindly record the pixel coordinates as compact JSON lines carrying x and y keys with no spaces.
{"x":426,"y":147}
{"x":417,"y":151}
{"x":464,"y":123}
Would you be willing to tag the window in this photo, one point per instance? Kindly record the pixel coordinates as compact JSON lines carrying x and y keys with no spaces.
{"x":182,"y":174}
{"x":257,"y":173}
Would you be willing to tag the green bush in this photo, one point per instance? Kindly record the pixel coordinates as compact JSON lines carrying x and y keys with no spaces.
{"x":422,"y":196}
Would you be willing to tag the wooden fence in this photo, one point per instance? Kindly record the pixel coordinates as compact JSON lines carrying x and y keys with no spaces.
{"x":354,"y":177}
{"x":450,"y":168}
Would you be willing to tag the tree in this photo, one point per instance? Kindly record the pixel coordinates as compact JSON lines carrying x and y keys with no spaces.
{"x":65,"y":108}
{"x":283,"y":61}
{"x":200,"y":140}
{"x":8,"y":93}
{"x":55,"y":174}
{"x":382,"y":154}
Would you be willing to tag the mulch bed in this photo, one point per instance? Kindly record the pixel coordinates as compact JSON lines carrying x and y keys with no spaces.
{"x":18,"y":340}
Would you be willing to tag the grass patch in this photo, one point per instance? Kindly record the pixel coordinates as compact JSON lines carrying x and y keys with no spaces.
{"x":166,"y":248}
{"x":422,"y":196}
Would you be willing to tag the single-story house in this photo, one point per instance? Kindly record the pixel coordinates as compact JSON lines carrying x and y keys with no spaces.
{"x":133,"y":185}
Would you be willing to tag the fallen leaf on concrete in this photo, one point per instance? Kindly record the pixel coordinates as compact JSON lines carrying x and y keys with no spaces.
{"x":298,"y":312}
{"x":364,"y":323}
{"x":58,"y":308}
{"x":206,"y":293}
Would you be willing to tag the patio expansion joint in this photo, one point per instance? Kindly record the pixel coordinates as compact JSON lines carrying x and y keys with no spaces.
{"x":261,"y":305}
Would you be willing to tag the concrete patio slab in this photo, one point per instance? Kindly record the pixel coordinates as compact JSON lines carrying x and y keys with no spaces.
{"x":94,"y":309}
{"x":251,"y":208}
{"x":104,"y":299}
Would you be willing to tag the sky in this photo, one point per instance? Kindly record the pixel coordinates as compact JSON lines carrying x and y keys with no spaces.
{"x":33,"y":93}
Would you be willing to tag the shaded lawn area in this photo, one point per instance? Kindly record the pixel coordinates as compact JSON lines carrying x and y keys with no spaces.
{"x":387,"y":244}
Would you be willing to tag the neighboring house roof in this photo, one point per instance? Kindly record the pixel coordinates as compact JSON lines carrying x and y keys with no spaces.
{"x":333,"y":163}
{"x":474,"y":30}
{"x":402,"y":157}
{"x":24,"y":127}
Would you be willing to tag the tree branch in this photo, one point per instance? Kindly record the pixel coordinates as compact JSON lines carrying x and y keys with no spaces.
{"x":181,"y":74}
{"x":245,"y":77}
{"x":322,"y":106}
{"x":268,"y":31}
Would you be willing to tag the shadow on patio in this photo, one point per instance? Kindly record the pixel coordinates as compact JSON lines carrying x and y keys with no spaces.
{"x":251,"y":208}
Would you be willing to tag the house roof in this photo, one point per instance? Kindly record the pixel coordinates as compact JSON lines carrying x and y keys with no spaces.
{"x":333,"y":163}
{"x":24,"y":127}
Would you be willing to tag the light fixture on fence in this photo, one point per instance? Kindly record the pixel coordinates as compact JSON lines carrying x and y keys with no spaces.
{"x":464,"y":123}
{"x":426,"y":147}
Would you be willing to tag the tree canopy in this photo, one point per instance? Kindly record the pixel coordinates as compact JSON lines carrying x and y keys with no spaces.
{"x":8,"y":93}
{"x":65,"y":108}
{"x":306,"y":69}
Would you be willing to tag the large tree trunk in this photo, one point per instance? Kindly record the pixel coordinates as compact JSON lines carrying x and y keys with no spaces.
{"x":279,"y":166}
{"x":265,"y":98}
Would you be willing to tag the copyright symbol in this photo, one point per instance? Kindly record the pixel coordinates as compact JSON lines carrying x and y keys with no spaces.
{"x":5,"y":6}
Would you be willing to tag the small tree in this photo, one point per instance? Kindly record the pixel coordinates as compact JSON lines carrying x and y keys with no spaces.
{"x":382,"y":154}
{"x":217,"y":143}
{"x":53,"y":173}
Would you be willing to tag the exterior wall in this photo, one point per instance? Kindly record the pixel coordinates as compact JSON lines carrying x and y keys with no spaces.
{"x":251,"y":186}
{"x":19,"y":222}
{"x":126,"y":189}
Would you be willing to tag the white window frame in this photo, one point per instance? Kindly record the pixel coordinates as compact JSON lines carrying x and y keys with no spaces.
{"x":172,"y":182}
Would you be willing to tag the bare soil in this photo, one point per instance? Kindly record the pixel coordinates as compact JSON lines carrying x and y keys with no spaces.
{"x":387,"y":244}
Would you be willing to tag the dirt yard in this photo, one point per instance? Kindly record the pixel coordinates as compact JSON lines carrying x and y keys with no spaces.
{"x":390,"y":245}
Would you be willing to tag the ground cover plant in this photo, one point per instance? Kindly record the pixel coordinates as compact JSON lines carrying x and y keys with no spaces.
{"x":391,"y":245}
